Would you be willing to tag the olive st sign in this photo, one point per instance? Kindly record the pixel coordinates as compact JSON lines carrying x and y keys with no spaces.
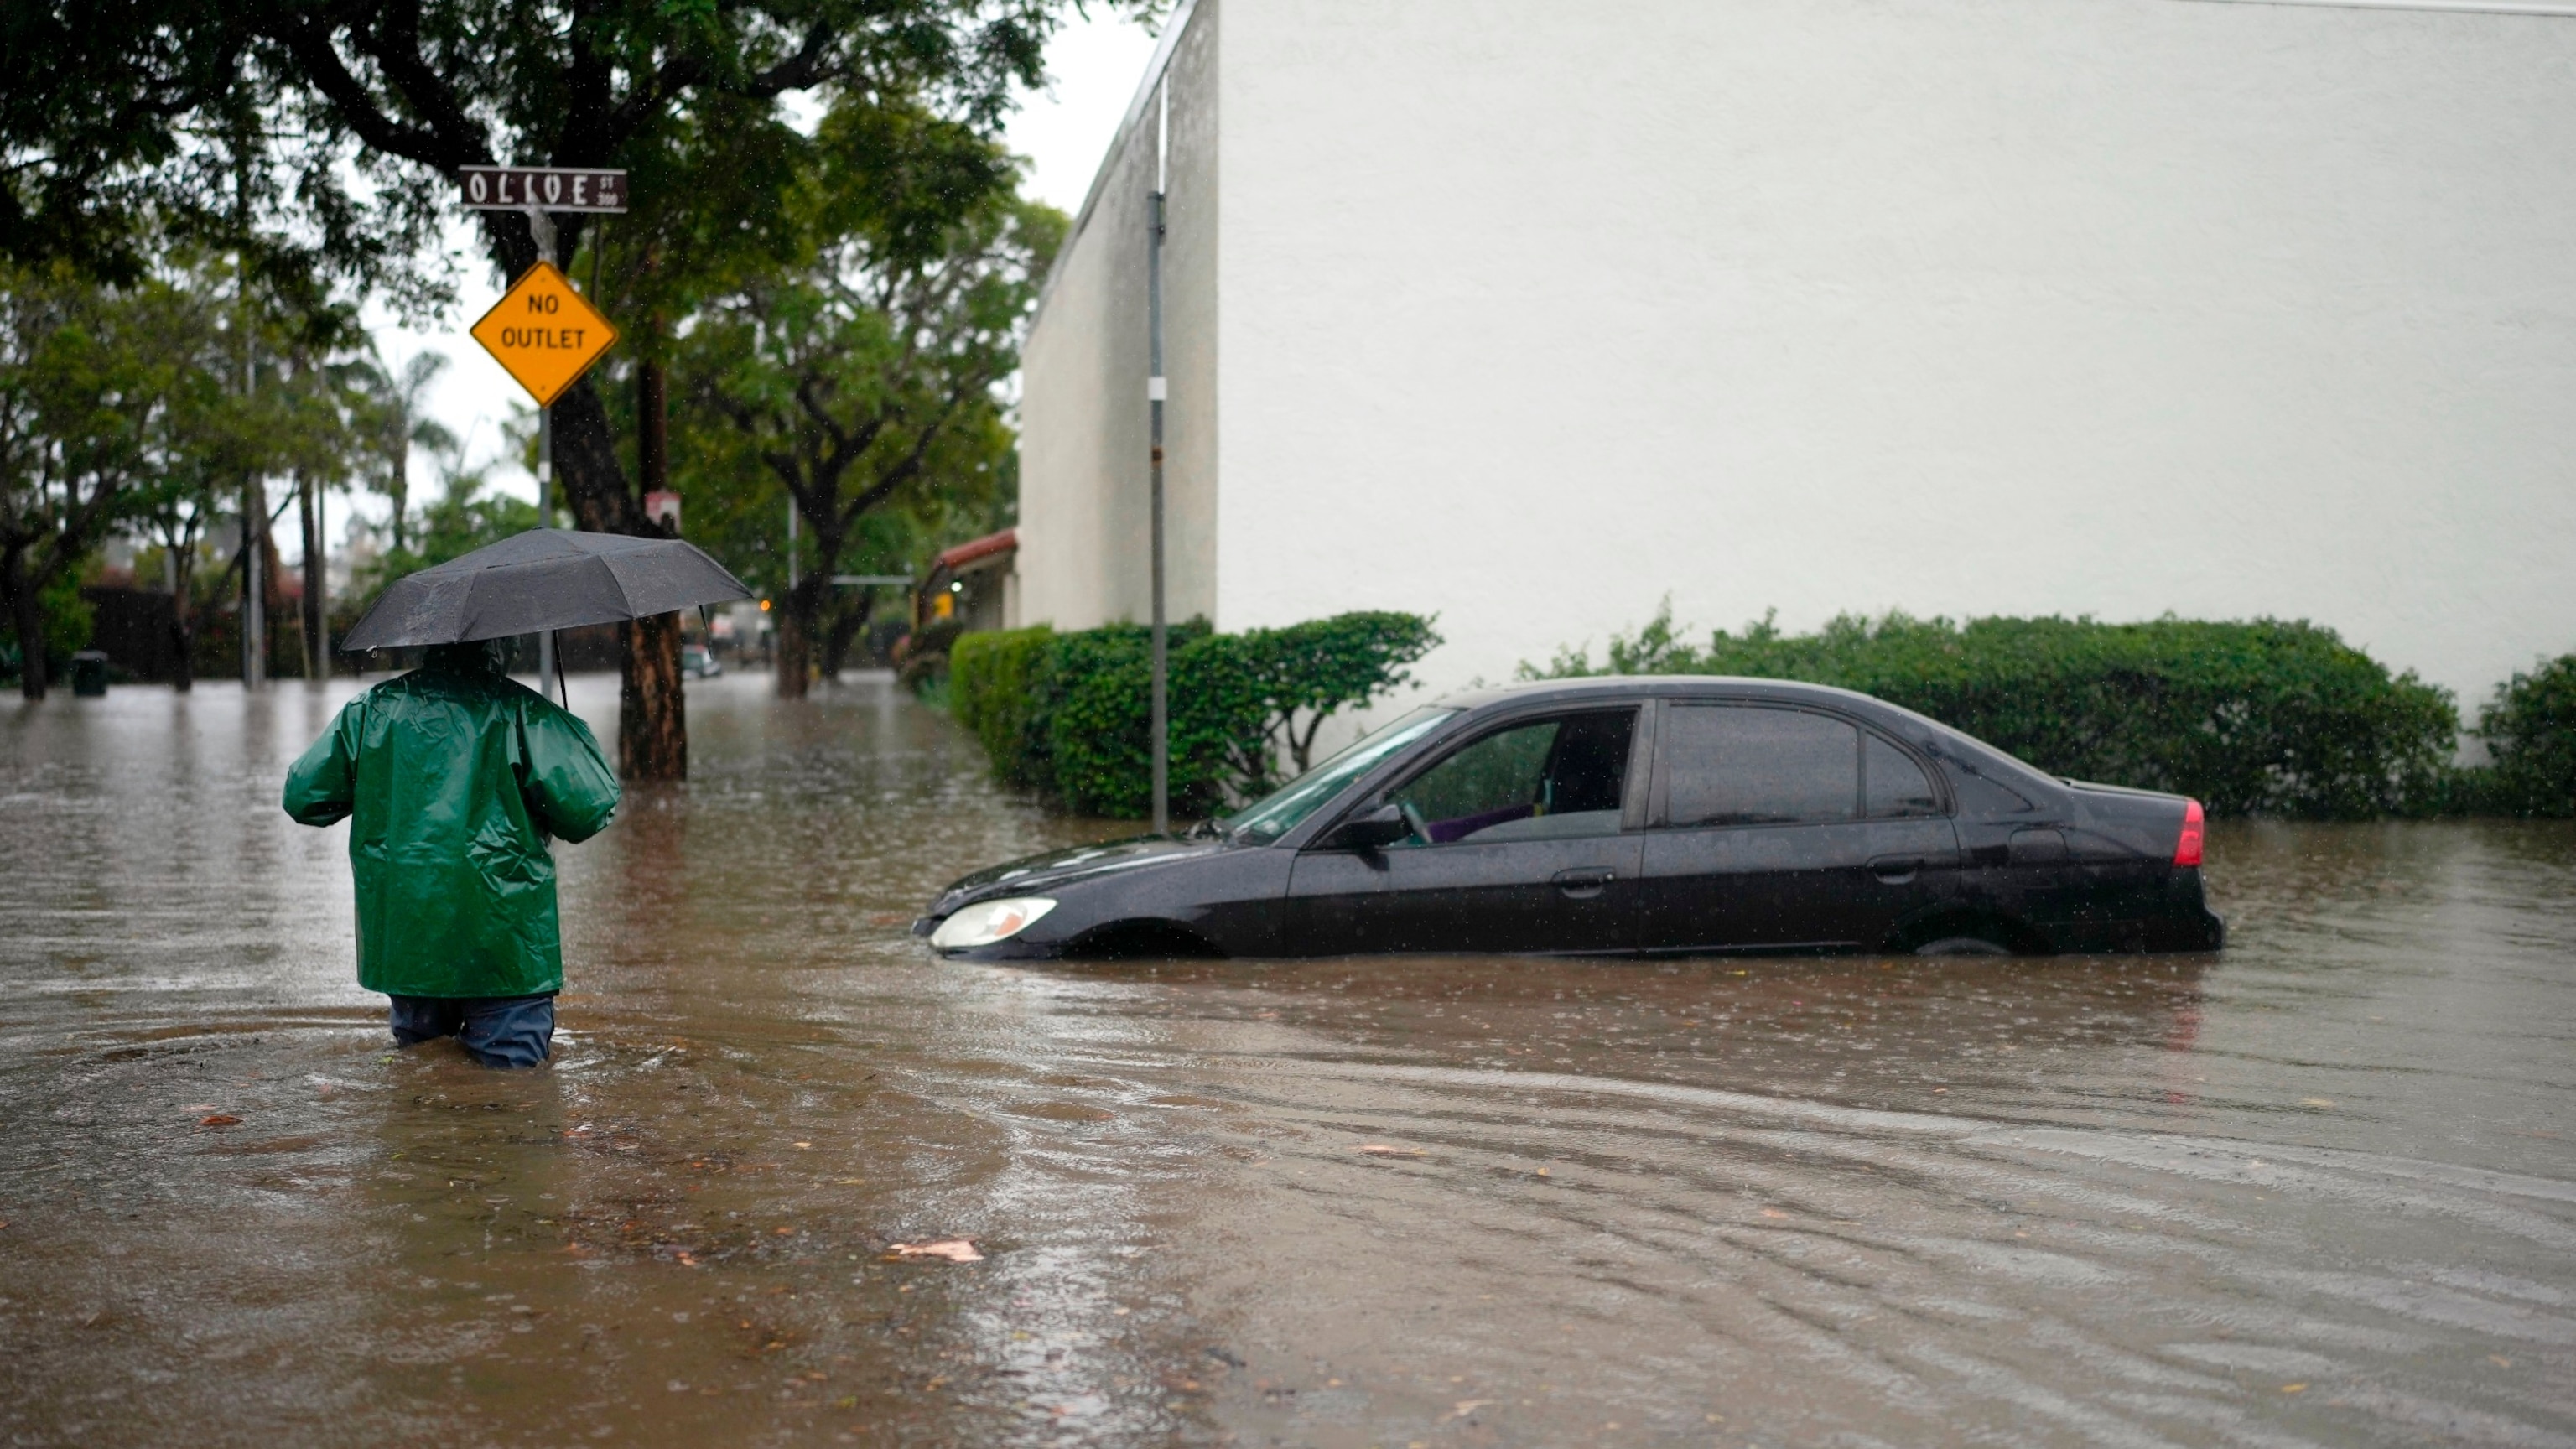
{"x":543,"y":188}
{"x":543,"y":333}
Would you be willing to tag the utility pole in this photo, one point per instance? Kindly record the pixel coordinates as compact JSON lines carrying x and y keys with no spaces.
{"x":1154,"y":393}
{"x":254,"y":521}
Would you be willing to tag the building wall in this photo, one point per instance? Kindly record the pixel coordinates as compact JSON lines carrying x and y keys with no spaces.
{"x":1084,"y":454}
{"x":1536,"y":313}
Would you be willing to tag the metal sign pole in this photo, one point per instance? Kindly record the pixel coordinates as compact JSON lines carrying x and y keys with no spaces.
{"x":543,"y":226}
{"x":1154,"y":392}
{"x":546,"y":519}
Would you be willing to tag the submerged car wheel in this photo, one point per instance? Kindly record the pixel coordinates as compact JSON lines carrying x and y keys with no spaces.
{"x":1963,"y":946}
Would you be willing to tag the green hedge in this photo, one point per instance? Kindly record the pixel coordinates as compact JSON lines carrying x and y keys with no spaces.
{"x":2530,"y":734}
{"x":1069,"y":715}
{"x":2264,"y":717}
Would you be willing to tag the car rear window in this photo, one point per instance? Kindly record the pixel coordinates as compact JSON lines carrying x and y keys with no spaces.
{"x":1751,"y":765}
{"x":1892,"y":785}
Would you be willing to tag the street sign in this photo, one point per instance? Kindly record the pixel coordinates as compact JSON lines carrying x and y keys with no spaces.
{"x":547,"y":188}
{"x":544,"y":333}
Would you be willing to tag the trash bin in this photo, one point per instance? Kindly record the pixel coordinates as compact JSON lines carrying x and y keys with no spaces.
{"x":89,"y":673}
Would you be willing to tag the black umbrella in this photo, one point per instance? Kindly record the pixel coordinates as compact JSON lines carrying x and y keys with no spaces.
{"x":545,"y":578}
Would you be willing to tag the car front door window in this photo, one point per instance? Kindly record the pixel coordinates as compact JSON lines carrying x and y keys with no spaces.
{"x":1554,"y":779}
{"x":1517,"y":847}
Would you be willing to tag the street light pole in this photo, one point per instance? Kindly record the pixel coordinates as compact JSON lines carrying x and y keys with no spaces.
{"x":1154,"y":394}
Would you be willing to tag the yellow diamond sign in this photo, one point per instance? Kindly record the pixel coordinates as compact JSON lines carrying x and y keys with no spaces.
{"x":544,"y":333}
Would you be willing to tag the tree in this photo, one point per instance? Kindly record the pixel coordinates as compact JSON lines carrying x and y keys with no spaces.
{"x":397,"y":417}
{"x":80,"y":391}
{"x":364,"y":107}
{"x":865,"y":379}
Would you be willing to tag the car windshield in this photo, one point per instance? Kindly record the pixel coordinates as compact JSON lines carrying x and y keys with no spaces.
{"x":1279,"y":812}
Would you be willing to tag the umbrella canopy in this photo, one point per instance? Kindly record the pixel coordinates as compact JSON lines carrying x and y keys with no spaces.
{"x":545,"y":578}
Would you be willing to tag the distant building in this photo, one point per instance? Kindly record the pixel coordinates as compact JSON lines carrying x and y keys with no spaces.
{"x":975,"y":583}
{"x":1529,"y":314}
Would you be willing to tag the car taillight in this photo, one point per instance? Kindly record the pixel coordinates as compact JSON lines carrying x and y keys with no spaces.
{"x":2187,"y":849}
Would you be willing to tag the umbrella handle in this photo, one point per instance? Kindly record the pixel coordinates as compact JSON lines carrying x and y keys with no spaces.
{"x":560,"y":685}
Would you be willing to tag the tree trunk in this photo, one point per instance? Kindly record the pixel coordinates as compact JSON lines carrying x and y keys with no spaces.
{"x":652,"y":709}
{"x":652,"y":428}
{"x":27,"y":618}
{"x":798,"y":624}
{"x":272,"y":592}
{"x":398,"y":487}
{"x":317,"y":621}
{"x":183,"y":583}
{"x":845,"y":626}
{"x":653,"y":714}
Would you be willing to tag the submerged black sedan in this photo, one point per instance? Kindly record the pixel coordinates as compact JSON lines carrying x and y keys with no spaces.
{"x":1667,"y":815}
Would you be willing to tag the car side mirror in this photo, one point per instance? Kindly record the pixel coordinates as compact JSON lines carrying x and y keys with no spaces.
{"x":1375,"y":830}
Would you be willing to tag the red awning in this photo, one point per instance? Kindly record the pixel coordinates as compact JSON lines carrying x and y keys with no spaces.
{"x":1006,"y":541}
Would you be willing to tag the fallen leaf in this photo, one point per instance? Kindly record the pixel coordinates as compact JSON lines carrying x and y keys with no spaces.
{"x":946,"y":1250}
{"x":782,"y":1232}
{"x":1388,"y":1149}
{"x":2294,"y":1388}
{"x":198,"y":1107}
{"x":804,"y":1146}
{"x":2499,"y":1360}
{"x":220,"y":1119}
{"x":1773,"y":1213}
{"x":2315,"y":1102}
{"x":1465,"y":1407}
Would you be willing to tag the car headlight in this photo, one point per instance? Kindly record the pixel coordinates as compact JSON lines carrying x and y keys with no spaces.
{"x":985,"y":922}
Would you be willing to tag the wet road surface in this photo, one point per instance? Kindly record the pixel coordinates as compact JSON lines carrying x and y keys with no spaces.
{"x":2320,"y":1190}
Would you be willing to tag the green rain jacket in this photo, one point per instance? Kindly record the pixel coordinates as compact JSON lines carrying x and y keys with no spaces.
{"x":454,"y":778}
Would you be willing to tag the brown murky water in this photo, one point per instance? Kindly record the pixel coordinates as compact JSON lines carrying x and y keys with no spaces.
{"x":2318,"y":1191}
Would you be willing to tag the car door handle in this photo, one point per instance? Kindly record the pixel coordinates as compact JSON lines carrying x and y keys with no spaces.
{"x":1586,"y":881}
{"x":1896,"y":869}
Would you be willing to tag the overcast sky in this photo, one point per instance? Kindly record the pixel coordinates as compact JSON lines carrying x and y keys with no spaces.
{"x":1094,"y":67}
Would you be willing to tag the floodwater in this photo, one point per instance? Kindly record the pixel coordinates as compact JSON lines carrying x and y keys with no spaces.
{"x":2319,"y":1190}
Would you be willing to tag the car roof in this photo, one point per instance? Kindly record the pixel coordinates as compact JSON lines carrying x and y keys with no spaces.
{"x":1636,"y":686}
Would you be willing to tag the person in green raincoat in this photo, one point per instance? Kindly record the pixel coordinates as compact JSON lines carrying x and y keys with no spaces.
{"x":453,"y":778}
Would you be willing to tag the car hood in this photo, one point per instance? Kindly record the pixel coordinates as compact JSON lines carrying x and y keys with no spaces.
{"x":1038,"y":874}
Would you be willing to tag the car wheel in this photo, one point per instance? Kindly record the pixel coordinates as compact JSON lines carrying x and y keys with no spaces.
{"x":1963,"y":946}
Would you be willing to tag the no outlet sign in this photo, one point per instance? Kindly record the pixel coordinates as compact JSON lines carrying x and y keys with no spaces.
{"x":544,"y":333}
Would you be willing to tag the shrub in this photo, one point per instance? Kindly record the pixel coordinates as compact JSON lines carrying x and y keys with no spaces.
{"x":994,"y":678}
{"x":2267,"y":717}
{"x":2530,"y":733}
{"x":921,"y":661}
{"x":1070,"y":714}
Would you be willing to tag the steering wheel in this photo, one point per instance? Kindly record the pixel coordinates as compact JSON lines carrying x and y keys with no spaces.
{"x":1413,"y":817}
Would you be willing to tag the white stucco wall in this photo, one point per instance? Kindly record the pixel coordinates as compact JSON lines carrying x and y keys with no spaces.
{"x":1084,"y":454}
{"x":1533,"y":313}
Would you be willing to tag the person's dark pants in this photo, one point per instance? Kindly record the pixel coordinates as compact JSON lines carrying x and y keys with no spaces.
{"x":498,"y":1031}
